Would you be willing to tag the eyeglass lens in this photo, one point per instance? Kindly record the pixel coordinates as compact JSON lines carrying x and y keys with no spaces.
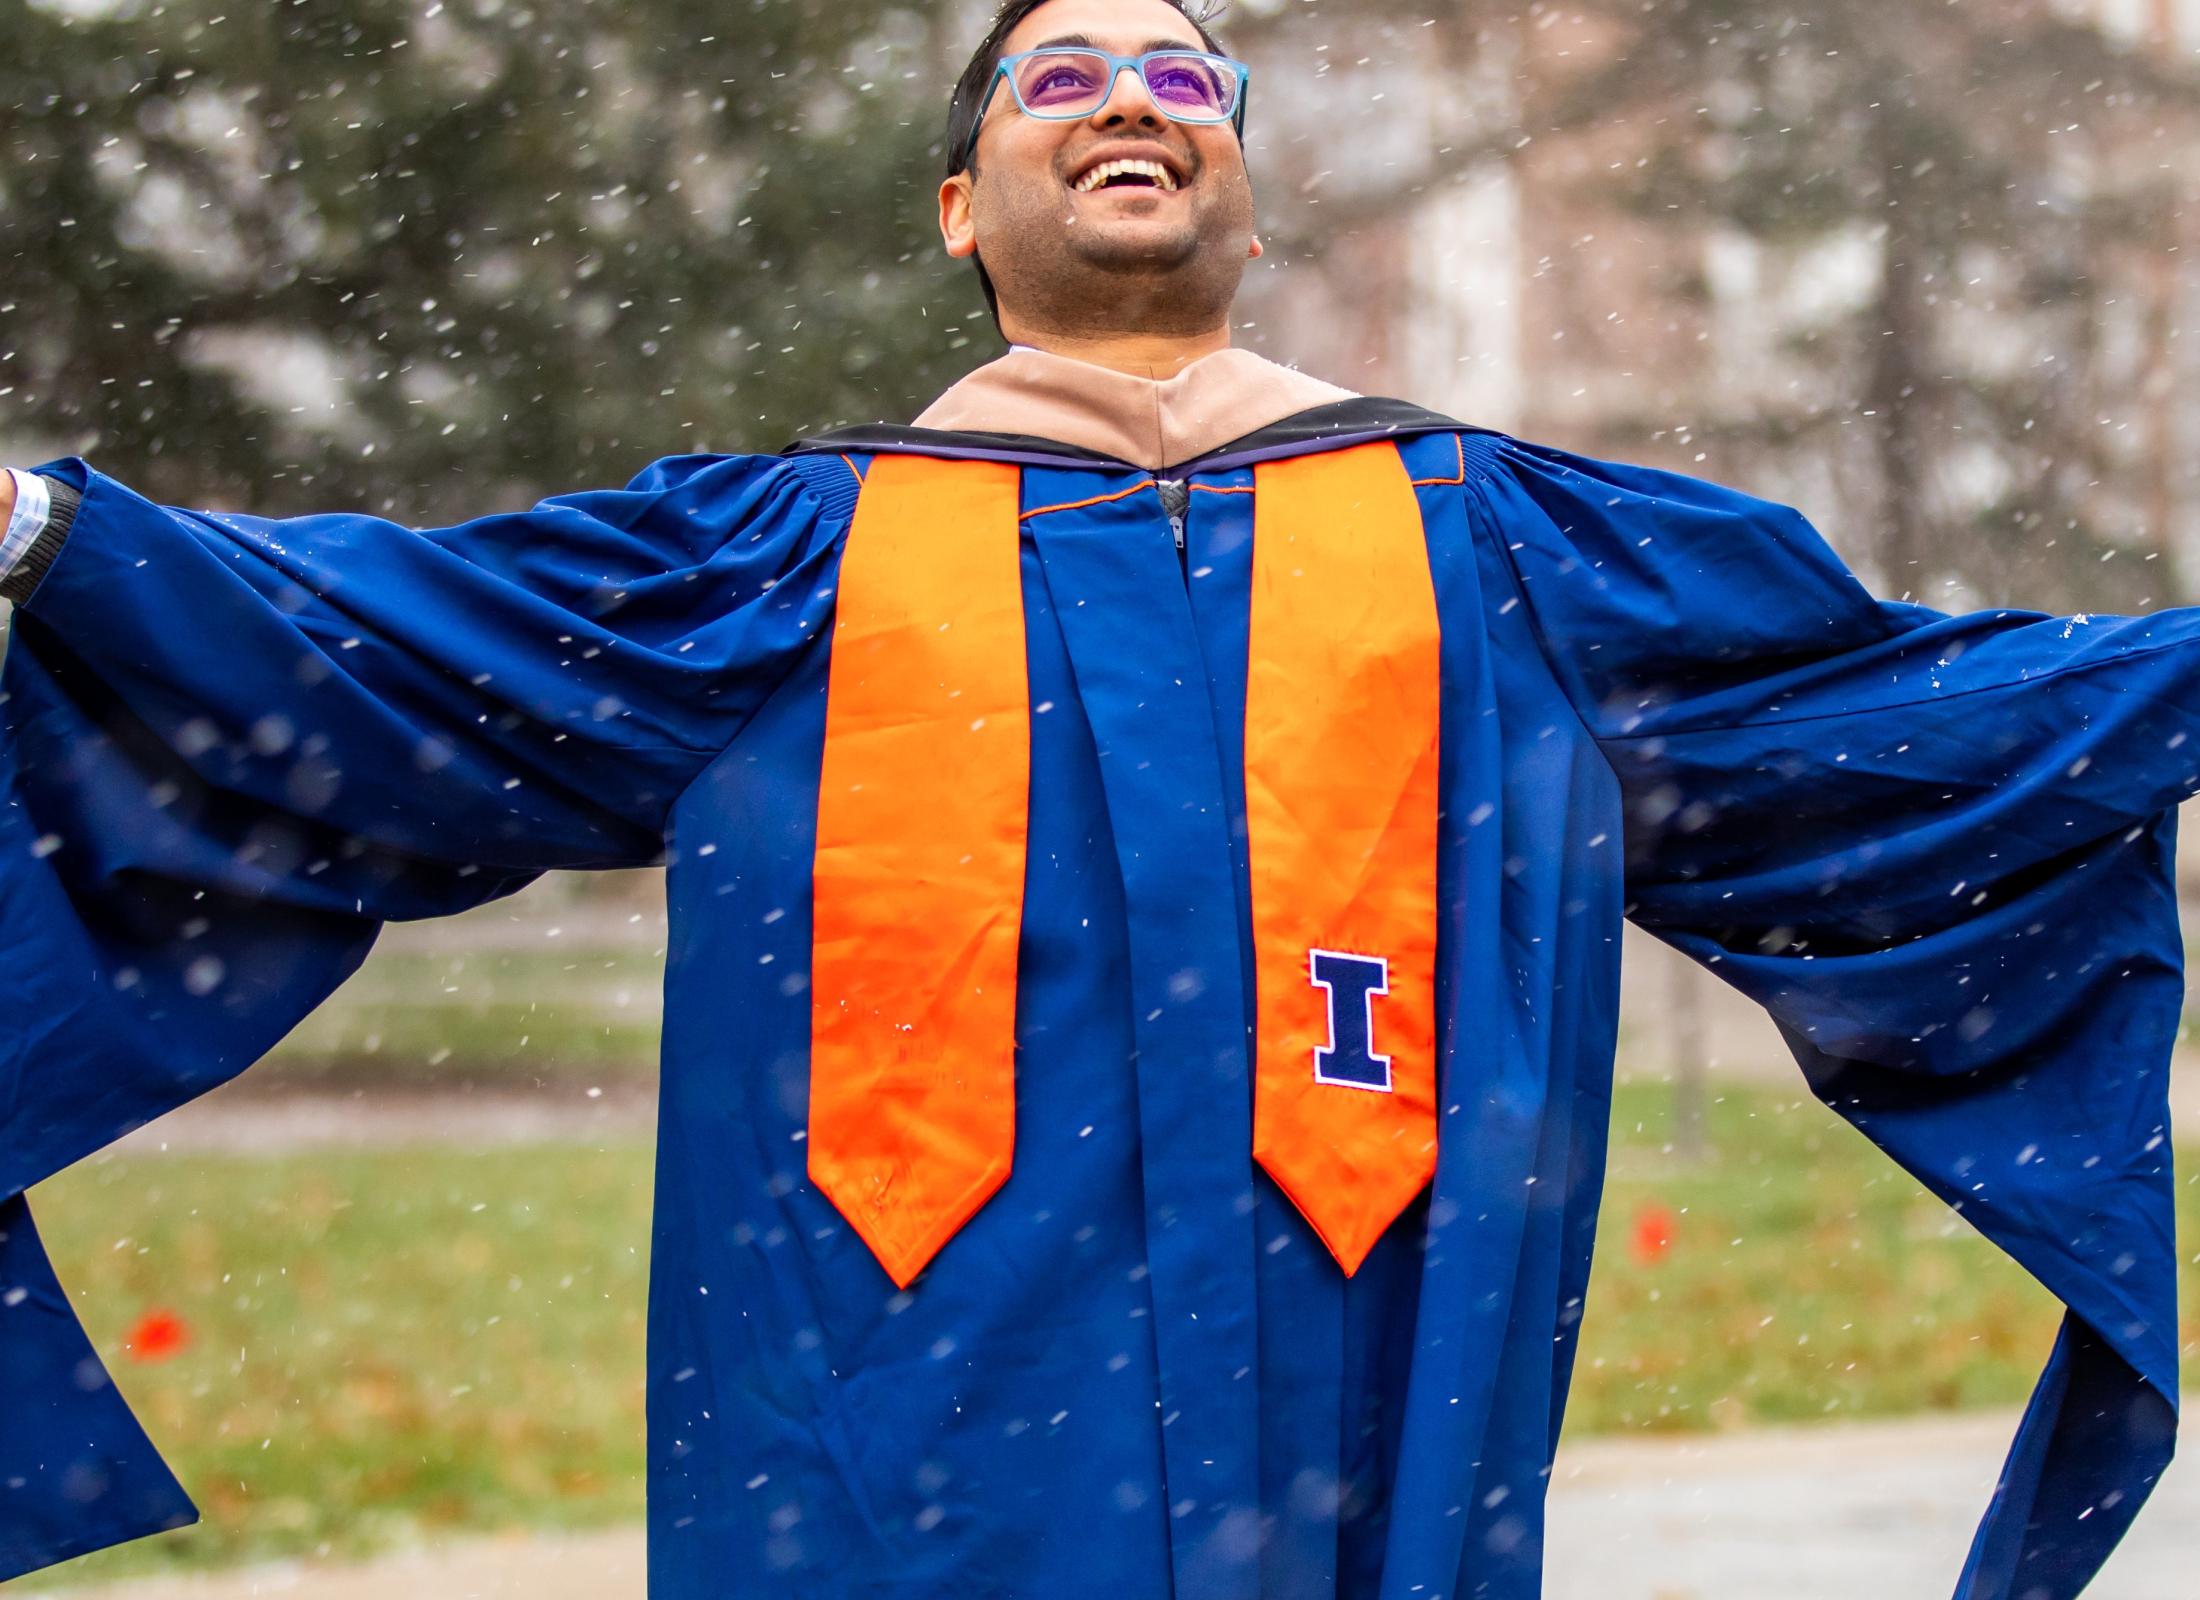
{"x":1074,"y":82}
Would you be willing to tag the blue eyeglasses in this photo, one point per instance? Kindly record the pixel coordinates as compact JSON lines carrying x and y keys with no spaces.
{"x":1062,"y":83}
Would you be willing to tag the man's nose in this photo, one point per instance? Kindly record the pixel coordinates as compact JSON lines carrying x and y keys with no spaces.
{"x":1129,"y":100}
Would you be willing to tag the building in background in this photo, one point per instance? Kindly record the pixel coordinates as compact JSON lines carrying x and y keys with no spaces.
{"x":1695,"y":263}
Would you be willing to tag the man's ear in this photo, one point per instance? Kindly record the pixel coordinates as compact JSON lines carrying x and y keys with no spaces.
{"x":957,"y":229}
{"x":1257,"y":251}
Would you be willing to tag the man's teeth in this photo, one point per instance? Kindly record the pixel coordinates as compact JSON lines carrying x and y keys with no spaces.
{"x":1162,"y":177}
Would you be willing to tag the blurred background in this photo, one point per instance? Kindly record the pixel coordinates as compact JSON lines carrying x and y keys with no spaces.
{"x":1920,"y":270}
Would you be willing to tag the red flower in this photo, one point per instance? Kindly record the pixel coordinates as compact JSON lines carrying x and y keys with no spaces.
{"x":1653,"y":1233}
{"x":158,"y":1335}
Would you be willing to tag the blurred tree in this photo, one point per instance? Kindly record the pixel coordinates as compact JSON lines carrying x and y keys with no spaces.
{"x":2021,"y":178}
{"x":427,"y":256}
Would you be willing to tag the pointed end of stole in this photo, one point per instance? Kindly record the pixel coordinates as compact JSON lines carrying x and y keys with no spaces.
{"x":1349,"y":1240}
{"x":901,"y":1263}
{"x":905,"y":1267}
{"x":1351,"y":1234}
{"x":1351,"y":1255}
{"x":903,"y":1227}
{"x":902,"y":1260}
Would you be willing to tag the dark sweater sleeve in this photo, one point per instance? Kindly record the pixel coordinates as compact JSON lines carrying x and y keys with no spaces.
{"x":22,"y":579}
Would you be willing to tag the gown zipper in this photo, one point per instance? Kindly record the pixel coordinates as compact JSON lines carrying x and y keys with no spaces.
{"x":1176,"y":500}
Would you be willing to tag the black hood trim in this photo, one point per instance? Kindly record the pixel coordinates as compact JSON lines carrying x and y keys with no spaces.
{"x":886,"y":438}
{"x":1335,"y":426}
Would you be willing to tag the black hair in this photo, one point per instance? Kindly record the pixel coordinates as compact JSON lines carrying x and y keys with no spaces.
{"x":977,"y":78}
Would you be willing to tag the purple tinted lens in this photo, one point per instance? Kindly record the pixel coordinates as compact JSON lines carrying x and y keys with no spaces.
{"x":1066,"y":82}
{"x":1191,"y":84}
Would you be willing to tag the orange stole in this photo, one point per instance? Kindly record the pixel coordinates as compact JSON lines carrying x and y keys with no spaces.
{"x":919,"y":878}
{"x":1342,"y":707}
{"x":922,"y":823}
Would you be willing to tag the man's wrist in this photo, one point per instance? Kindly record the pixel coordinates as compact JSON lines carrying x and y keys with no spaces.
{"x":29,"y":504}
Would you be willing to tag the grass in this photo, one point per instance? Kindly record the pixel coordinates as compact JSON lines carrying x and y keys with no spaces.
{"x":382,"y":1344}
{"x":1805,"y":1276}
{"x":398,"y":1343}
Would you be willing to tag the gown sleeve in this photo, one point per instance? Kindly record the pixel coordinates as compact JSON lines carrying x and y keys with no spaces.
{"x":1939,"y":850}
{"x":231,"y":747}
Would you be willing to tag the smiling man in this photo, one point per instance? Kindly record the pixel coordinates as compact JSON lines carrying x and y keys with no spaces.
{"x":1147,"y":847}
{"x":1113,"y":196}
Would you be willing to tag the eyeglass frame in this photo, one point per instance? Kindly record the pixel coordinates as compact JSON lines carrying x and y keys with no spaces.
{"x":1117,"y":66}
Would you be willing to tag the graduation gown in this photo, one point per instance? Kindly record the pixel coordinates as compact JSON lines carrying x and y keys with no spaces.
{"x":1936,"y":848}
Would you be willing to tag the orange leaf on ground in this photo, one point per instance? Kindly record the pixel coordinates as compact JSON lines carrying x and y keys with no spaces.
{"x":1653,"y":1233}
{"x":158,"y":1335}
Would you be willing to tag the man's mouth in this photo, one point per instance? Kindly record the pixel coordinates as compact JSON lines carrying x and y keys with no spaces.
{"x":1127,"y":175}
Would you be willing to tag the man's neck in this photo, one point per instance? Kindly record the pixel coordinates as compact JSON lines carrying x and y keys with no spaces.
{"x":1141,"y":355}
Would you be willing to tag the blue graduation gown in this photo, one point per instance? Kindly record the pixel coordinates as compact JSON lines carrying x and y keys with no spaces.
{"x":1936,"y":848}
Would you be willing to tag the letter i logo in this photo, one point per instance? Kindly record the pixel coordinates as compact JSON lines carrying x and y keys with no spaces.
{"x":1350,"y":984}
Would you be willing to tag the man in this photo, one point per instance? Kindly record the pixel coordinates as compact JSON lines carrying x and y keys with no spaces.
{"x":1147,"y":847}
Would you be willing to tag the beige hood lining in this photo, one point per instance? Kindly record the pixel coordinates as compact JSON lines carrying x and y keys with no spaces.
{"x":1148,"y":422}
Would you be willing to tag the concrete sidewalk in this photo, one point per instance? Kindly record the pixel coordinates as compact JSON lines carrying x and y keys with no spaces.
{"x":1883,"y":1510}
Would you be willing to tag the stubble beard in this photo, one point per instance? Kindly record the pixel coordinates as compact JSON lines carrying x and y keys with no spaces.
{"x":1068,"y":276}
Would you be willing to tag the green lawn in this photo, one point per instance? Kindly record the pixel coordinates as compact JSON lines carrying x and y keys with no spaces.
{"x":382,"y":1344}
{"x":385,"y":1344}
{"x":1807,"y":1276}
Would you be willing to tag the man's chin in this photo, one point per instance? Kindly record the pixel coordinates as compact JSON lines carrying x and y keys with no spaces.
{"x":1128,"y":244}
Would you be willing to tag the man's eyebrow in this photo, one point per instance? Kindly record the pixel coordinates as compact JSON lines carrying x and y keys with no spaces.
{"x":1085,"y":41}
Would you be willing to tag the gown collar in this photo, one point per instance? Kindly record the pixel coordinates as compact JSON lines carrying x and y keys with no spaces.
{"x":1143,"y":422}
{"x":1335,"y":426}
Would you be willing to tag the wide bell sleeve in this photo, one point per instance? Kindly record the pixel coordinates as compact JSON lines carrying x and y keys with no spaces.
{"x":231,"y":747}
{"x":1939,"y":850}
